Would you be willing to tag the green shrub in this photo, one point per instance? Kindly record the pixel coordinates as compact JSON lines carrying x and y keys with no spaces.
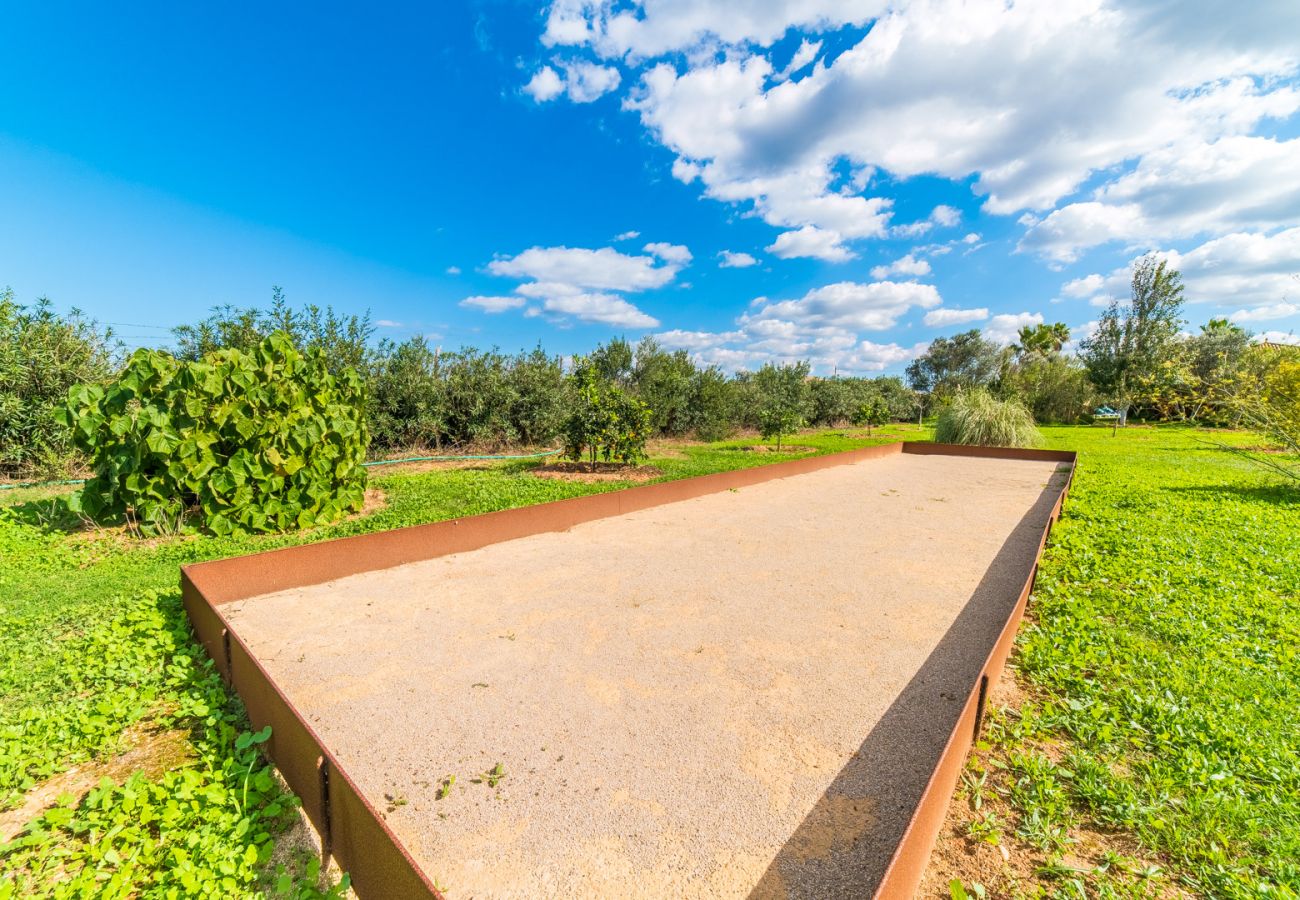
{"x":264,"y":440}
{"x":782,"y":394}
{"x":979,"y":419}
{"x":42,"y":355}
{"x":871,"y":412}
{"x":604,"y":420}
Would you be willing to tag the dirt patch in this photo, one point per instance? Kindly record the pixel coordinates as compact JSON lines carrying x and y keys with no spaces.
{"x":764,"y":448}
{"x":603,"y":471}
{"x":993,"y":856}
{"x":149,"y":750}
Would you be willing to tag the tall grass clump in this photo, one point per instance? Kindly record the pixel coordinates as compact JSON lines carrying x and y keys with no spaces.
{"x":980,"y":419}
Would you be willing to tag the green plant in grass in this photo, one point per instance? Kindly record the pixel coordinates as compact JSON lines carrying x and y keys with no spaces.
{"x":783,"y":398}
{"x":871,"y":412}
{"x":979,"y":419}
{"x":605,"y":421}
{"x":244,"y":441}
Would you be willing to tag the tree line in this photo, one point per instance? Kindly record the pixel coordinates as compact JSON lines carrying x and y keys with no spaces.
{"x":1138,"y":361}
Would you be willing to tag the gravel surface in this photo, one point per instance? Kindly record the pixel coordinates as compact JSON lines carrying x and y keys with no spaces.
{"x":737,"y":695}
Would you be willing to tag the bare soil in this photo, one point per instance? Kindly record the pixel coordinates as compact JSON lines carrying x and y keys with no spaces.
{"x":601,"y":471}
{"x":742,"y":694}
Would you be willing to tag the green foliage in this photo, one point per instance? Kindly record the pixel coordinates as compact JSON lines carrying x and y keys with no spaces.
{"x":265,"y":440}
{"x":200,"y":823}
{"x":407,"y":404}
{"x":341,"y":339}
{"x":782,"y":406}
{"x":1163,"y":657}
{"x":959,"y":363}
{"x":42,"y":355}
{"x":1041,"y":339}
{"x":665,"y":382}
{"x":1055,"y":387}
{"x":1134,"y":344}
{"x":94,"y":643}
{"x":871,"y":412}
{"x":605,"y":421}
{"x":980,"y":419}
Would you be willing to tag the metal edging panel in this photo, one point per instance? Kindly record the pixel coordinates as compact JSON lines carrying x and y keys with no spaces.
{"x":907,"y":866}
{"x":352,"y":830}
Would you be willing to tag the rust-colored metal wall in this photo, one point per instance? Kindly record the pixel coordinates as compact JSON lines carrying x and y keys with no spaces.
{"x":351,"y":829}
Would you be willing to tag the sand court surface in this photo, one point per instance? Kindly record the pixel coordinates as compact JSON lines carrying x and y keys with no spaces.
{"x":740,"y":694}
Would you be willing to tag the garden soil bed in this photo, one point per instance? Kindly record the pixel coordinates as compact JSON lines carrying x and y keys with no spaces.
{"x":740,"y":694}
{"x":602,"y":471}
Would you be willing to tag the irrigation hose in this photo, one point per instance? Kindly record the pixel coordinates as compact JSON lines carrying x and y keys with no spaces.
{"x":379,"y":462}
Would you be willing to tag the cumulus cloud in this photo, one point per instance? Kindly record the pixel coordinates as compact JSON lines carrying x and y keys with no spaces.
{"x":545,"y":84}
{"x":811,"y":241}
{"x":584,"y":284}
{"x":874,"y":306}
{"x":1004,"y":329}
{"x":1026,"y":101}
{"x":453,"y":270}
{"x":942,"y":318}
{"x":1279,"y":337}
{"x":821,"y":326}
{"x":673,"y":253}
{"x":1266,"y":313}
{"x":582,"y":81}
{"x":729,"y":260}
{"x":627,"y":236}
{"x":603,"y":269}
{"x":942,"y":215}
{"x":1241,"y":271}
{"x":906,"y":265}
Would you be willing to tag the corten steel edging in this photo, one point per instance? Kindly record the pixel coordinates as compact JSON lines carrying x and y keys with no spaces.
{"x":907,"y":867}
{"x":351,"y":829}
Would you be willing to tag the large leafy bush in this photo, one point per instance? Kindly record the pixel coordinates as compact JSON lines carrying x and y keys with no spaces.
{"x":42,"y":355}
{"x":978,"y":418}
{"x":604,"y":421}
{"x":261,"y":440}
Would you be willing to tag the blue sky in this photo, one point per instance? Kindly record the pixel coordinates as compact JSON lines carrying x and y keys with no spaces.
{"x":475,"y":172}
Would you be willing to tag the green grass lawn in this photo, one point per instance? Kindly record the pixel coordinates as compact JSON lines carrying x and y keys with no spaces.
{"x":1162,"y":667}
{"x":1162,"y":663}
{"x":96,"y":657}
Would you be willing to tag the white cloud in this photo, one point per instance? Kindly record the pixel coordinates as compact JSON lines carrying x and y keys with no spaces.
{"x":946,"y":216}
{"x":673,"y":253}
{"x":583,"y":82}
{"x":1004,"y":329}
{"x":1266,"y":313}
{"x":603,"y":269}
{"x":1087,"y":286}
{"x":873,"y":306}
{"x":655,"y":27}
{"x":453,"y":270}
{"x":1279,"y":337}
{"x":627,"y":236}
{"x":493,"y":304}
{"x":544,"y":85}
{"x":729,"y":260}
{"x":1237,"y":271}
{"x":942,"y":318}
{"x":603,"y":309}
{"x":584,"y":284}
{"x":1027,"y":101}
{"x":1184,"y":190}
{"x":906,"y":265}
{"x":821,"y":326}
{"x":810,"y":241}
{"x":387,"y":323}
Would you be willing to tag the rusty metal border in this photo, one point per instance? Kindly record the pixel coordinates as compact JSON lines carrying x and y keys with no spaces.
{"x":352,"y":830}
